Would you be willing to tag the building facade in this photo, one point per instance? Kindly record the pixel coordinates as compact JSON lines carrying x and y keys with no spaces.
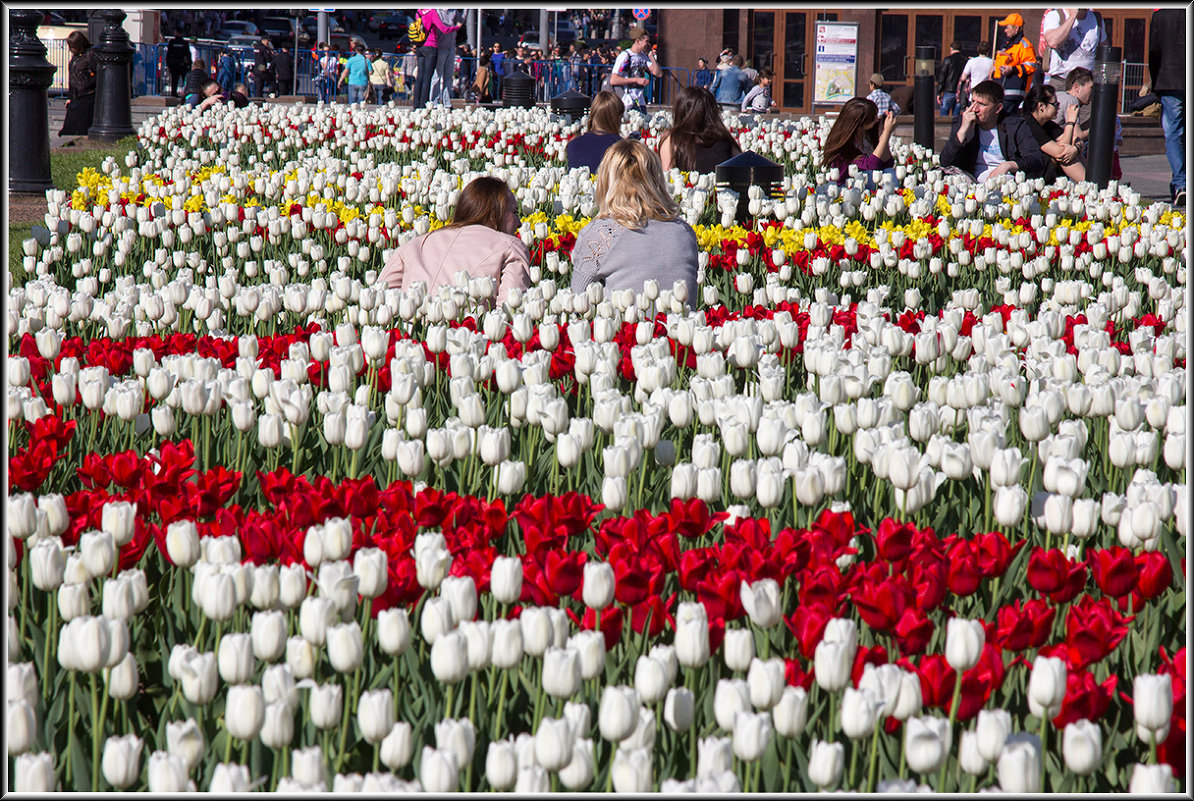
{"x":786,"y":41}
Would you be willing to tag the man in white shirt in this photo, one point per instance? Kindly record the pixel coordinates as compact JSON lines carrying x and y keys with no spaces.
{"x":631,"y":68}
{"x":977,"y":70}
{"x":983,"y":146}
{"x":1072,"y":35}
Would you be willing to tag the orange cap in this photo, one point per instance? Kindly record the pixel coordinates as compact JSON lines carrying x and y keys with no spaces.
{"x":1012,"y":19}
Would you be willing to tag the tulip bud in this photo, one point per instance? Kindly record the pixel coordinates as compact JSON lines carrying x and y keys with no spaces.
{"x":1019,"y":766}
{"x":21,"y":726}
{"x":765,"y":681}
{"x":730,"y":697}
{"x":631,"y":771}
{"x":617,"y":714}
{"x":553,"y":744}
{"x":438,"y":770}
{"x":501,"y":765}
{"x":825,"y":764}
{"x":397,"y":747}
{"x":235,"y":658}
{"x":597,"y":589}
{"x":831,"y":665}
{"x":393,"y":631}
{"x":791,"y":711}
{"x":184,"y":740}
{"x":449,"y":658}
{"x":752,"y":735}
{"x":1082,"y":746}
{"x":505,"y":580}
{"x":345,"y":649}
{"x":992,"y":730}
{"x":230,"y":778}
{"x":679,"y":709}
{"x":761,"y":601}
{"x":926,"y":743}
{"x":969,"y":758}
{"x":964,"y":641}
{"x":301,"y":657}
{"x":860,"y":713}
{"x":369,"y":565}
{"x":244,"y":713}
{"x":1046,"y":686}
{"x":326,"y":705}
{"x":277,"y":727}
{"x":739,"y":648}
{"x":166,"y":773}
{"x":1146,"y":779}
{"x":122,"y":760}
{"x":578,"y":773}
{"x":1152,"y":705}
{"x":375,"y":714}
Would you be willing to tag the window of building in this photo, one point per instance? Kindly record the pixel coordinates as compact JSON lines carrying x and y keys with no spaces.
{"x":729,"y":28}
{"x":893,"y":46}
{"x":1135,"y":40}
{"x":928,"y":32}
{"x":761,"y":44}
{"x":825,"y":16}
{"x":968,"y":30}
{"x":794,"y":50}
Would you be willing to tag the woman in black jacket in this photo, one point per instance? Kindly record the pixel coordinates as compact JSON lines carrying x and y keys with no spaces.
{"x":192,"y":90}
{"x":80,"y":104}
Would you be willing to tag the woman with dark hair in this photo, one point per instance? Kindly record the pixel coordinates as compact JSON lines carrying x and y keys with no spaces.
{"x":480,"y":240}
{"x":80,"y":104}
{"x":605,"y":126}
{"x":859,"y":138}
{"x":1056,"y":141}
{"x":698,"y":140}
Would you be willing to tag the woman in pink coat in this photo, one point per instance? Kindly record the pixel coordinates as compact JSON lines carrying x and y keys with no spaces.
{"x":433,"y":53}
{"x":480,"y":240}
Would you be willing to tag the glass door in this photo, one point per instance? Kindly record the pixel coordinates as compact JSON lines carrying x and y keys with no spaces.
{"x":793,"y":70}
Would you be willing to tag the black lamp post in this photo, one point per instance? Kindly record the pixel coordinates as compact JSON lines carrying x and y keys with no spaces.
{"x":1103,"y":109}
{"x":29,"y":76}
{"x":571,"y":103}
{"x":923,"y":67}
{"x":113,"y":55}
{"x":518,"y":90}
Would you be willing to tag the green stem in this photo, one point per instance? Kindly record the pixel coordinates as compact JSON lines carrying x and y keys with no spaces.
{"x":1044,"y":740}
{"x":953,"y":715}
{"x":96,"y":733}
{"x":51,"y":630}
{"x":855,"y":746}
{"x":870,"y":781}
{"x":497,"y":721}
{"x":68,"y":768}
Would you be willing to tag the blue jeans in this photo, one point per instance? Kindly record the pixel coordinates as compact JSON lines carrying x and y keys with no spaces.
{"x":356,"y":94}
{"x":326,"y":87}
{"x":1173,"y":123}
{"x":949,"y":101}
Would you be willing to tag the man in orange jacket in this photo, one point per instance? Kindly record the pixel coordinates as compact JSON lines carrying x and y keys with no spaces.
{"x":1015,"y":64}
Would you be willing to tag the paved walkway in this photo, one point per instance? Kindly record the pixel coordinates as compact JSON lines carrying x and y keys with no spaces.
{"x":1148,"y":175}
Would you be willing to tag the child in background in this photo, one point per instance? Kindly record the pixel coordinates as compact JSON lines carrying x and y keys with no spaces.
{"x":758,"y":99}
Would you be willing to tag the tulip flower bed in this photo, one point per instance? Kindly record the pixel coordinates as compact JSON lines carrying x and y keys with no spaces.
{"x":900,"y":502}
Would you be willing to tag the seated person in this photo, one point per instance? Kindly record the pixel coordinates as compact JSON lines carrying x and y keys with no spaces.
{"x":698,"y":140}
{"x":210,"y":93}
{"x":637,"y":232}
{"x":192,"y":86}
{"x":605,"y":126}
{"x":480,"y":240}
{"x":239,"y":96}
{"x":984,"y":146}
{"x":1056,"y":141}
{"x":858,"y":137}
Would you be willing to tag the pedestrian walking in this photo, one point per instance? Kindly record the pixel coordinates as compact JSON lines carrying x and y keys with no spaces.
{"x":1166,"y":69}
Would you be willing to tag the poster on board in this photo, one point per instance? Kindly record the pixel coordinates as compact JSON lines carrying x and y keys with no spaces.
{"x":835,"y":62}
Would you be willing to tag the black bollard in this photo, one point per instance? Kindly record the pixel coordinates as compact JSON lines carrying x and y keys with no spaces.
{"x":745,"y":170}
{"x":29,"y":76}
{"x":1103,"y":108}
{"x":113,"y":55}
{"x":922,"y":96}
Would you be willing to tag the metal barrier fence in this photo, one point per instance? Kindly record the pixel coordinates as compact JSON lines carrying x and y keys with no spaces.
{"x":234,"y":64}
{"x":1132,"y":78}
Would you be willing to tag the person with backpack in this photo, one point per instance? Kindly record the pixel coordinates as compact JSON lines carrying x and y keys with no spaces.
{"x":629,"y":75}
{"x":178,"y":61}
{"x":431,"y":28}
{"x":730,"y":84}
{"x":356,"y":74}
{"x":445,"y":54}
{"x":1015,"y":64}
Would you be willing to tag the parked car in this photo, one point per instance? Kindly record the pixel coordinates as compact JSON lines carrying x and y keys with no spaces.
{"x":281,"y":31}
{"x":342,"y":42}
{"x":237,"y":27}
{"x":393,"y":26}
{"x":311,"y":26}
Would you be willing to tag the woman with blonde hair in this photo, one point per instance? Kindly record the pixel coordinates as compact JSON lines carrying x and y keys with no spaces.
{"x":605,"y":126}
{"x":480,"y":241}
{"x":638,"y":233}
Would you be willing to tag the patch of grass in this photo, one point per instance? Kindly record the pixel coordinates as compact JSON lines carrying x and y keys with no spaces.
{"x":65,"y":164}
{"x":68,"y":162}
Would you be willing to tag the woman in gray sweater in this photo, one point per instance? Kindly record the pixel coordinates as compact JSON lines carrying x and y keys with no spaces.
{"x":637,"y":233}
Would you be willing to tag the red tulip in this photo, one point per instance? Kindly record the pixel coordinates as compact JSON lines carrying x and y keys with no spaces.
{"x":1024,"y":625}
{"x":564,"y":570}
{"x":936,"y":680}
{"x":893,"y":540}
{"x":980,"y":682}
{"x":1093,"y":630}
{"x":1084,"y":698}
{"x":913,"y":632}
{"x":930,"y":581}
{"x":1155,"y":574}
{"x":994,"y":554}
{"x":652,"y":615}
{"x":808,"y":627}
{"x":880,"y":604}
{"x":1114,"y":570}
{"x":1051,"y":574}
{"x":963,"y":576}
{"x":796,"y":676}
{"x":695,"y":566}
